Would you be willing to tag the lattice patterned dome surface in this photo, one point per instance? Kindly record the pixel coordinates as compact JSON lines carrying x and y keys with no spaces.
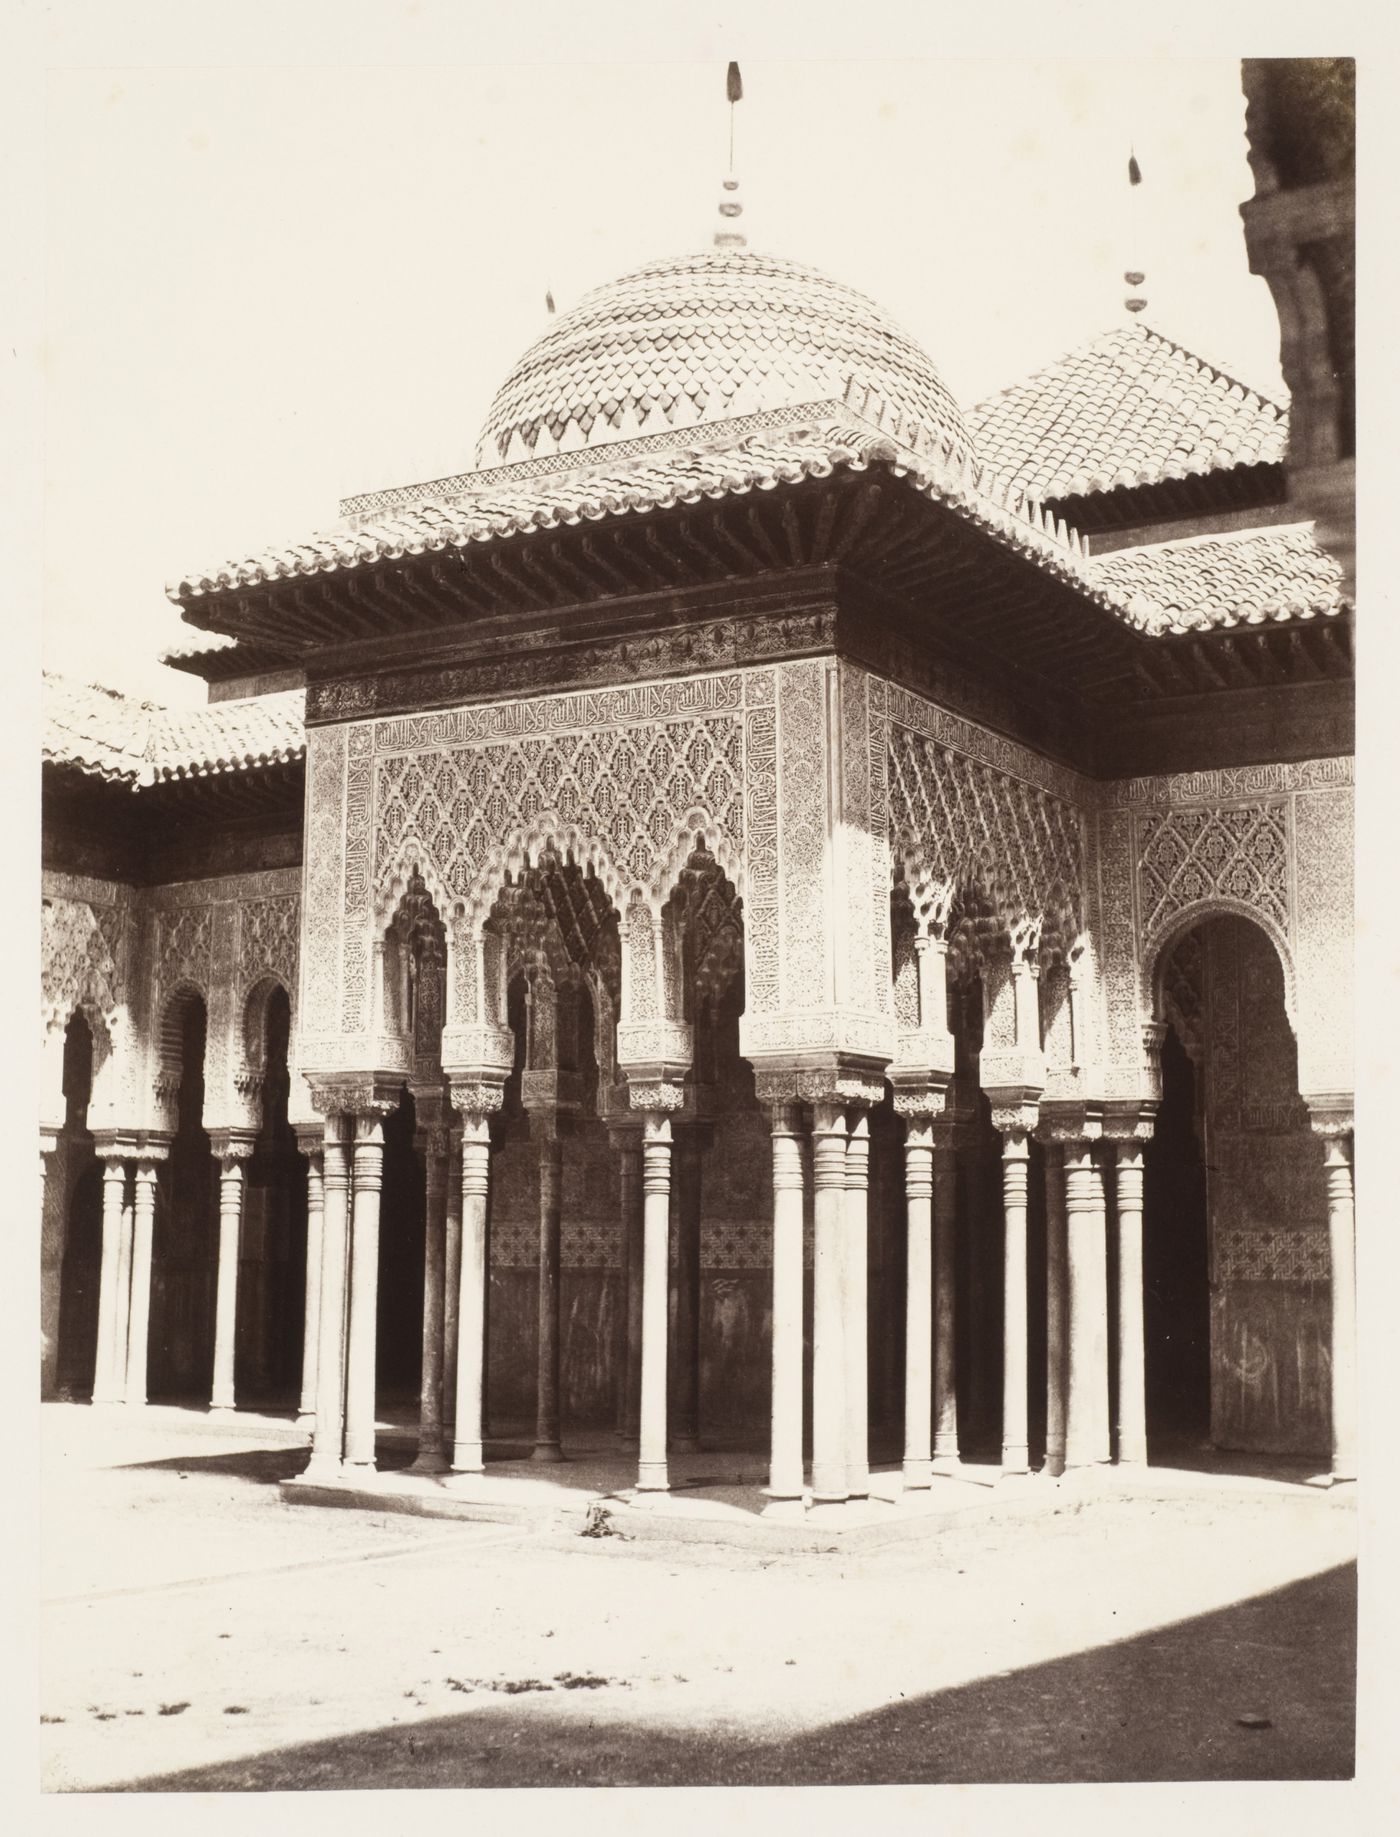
{"x":703,"y":338}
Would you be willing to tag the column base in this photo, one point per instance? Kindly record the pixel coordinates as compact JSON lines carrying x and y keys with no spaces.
{"x":827,"y":1511}
{"x":135,"y":1402}
{"x":323,"y":1470}
{"x":222,"y":1410}
{"x":467,"y":1458}
{"x":431,"y":1460}
{"x":1015,"y":1461}
{"x":361,"y":1473}
{"x":306,"y":1420}
{"x":652,"y":1477}
{"x":550,"y":1453}
{"x":945,"y":1448}
{"x":917,"y":1475}
{"x":783,"y":1508}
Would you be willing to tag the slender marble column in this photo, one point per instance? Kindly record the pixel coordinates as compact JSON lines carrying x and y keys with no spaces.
{"x":432,"y":1456}
{"x":311,"y":1314}
{"x":1015,"y":1434}
{"x":945,"y":1227}
{"x":467,"y":1454}
{"x":652,"y":1473}
{"x":686,"y":1190}
{"x":364,"y":1295}
{"x":111,"y":1360}
{"x":122,"y":1344}
{"x":232,"y":1155}
{"x":451,"y":1282}
{"x":327,"y":1440}
{"x":626,"y":1145}
{"x":1056,"y":1309}
{"x":829,"y":1486}
{"x":918,"y":1305}
{"x":1132,"y":1356}
{"x":633,"y":1210}
{"x":857,"y":1353}
{"x":1341,"y":1242}
{"x":1086,"y":1425}
{"x":139,"y":1325}
{"x":785,"y":1460}
{"x":547,"y":1443}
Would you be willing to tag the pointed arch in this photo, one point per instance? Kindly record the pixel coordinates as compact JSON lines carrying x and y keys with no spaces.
{"x":1158,"y":947}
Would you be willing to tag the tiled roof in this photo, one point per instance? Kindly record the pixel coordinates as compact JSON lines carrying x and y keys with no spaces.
{"x":1246,"y":578}
{"x":98,"y":730}
{"x":110,"y":735}
{"x":702,"y":338}
{"x":1132,"y":408}
{"x":653,"y":479}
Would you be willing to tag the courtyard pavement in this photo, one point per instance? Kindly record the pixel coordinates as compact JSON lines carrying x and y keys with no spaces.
{"x":200,"y":1633}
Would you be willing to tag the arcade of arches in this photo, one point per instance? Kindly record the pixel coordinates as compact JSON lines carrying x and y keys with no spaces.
{"x":764,"y":1054}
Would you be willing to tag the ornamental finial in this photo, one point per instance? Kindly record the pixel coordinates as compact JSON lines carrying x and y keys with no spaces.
{"x":730,"y":206}
{"x":1134,"y":276}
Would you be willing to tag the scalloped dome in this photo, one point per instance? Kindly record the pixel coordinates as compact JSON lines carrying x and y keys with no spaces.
{"x":702,"y":338}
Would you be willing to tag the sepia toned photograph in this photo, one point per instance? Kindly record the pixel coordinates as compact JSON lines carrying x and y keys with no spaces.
{"x":697,"y":1075}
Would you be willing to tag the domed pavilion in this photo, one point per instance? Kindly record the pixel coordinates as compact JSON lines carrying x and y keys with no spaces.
{"x":731,"y":925}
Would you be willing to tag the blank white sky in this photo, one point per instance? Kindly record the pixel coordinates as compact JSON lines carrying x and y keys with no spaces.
{"x":267,"y":288}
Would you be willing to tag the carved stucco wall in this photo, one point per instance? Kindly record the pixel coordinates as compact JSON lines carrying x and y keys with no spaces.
{"x":220,"y":938}
{"x":90,"y":961}
{"x":121,"y":954}
{"x":1272,"y":843}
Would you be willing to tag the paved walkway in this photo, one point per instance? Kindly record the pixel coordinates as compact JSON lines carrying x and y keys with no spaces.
{"x":200,"y":1632}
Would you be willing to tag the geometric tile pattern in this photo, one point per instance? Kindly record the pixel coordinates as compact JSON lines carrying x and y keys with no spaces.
{"x":1272,"y":1256}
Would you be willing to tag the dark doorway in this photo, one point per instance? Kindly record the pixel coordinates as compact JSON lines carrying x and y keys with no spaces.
{"x":1176,"y":1263}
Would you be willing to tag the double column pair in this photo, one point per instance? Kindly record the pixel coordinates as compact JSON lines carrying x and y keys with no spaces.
{"x":1078,"y":1431}
{"x":840,"y":1212}
{"x":124,"y":1293}
{"x":344,"y":1395}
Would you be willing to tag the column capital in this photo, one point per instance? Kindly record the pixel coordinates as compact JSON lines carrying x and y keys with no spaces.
{"x":1014,"y":1114}
{"x":654,"y":1057}
{"x":1061,"y":1121}
{"x":477,"y":1096}
{"x":310,"y":1137}
{"x":434,"y":1142}
{"x":837,"y":1081}
{"x":1332,"y":1116}
{"x":354,"y":1093}
{"x":229,"y":1145}
{"x":1129,"y":1122}
{"x":130,"y":1144}
{"x":918,"y":1095}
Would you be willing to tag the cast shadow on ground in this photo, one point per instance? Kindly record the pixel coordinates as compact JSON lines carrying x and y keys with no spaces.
{"x":1165,"y":1705}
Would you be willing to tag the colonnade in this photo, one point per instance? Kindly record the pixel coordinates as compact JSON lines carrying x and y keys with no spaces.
{"x":821,"y":1148}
